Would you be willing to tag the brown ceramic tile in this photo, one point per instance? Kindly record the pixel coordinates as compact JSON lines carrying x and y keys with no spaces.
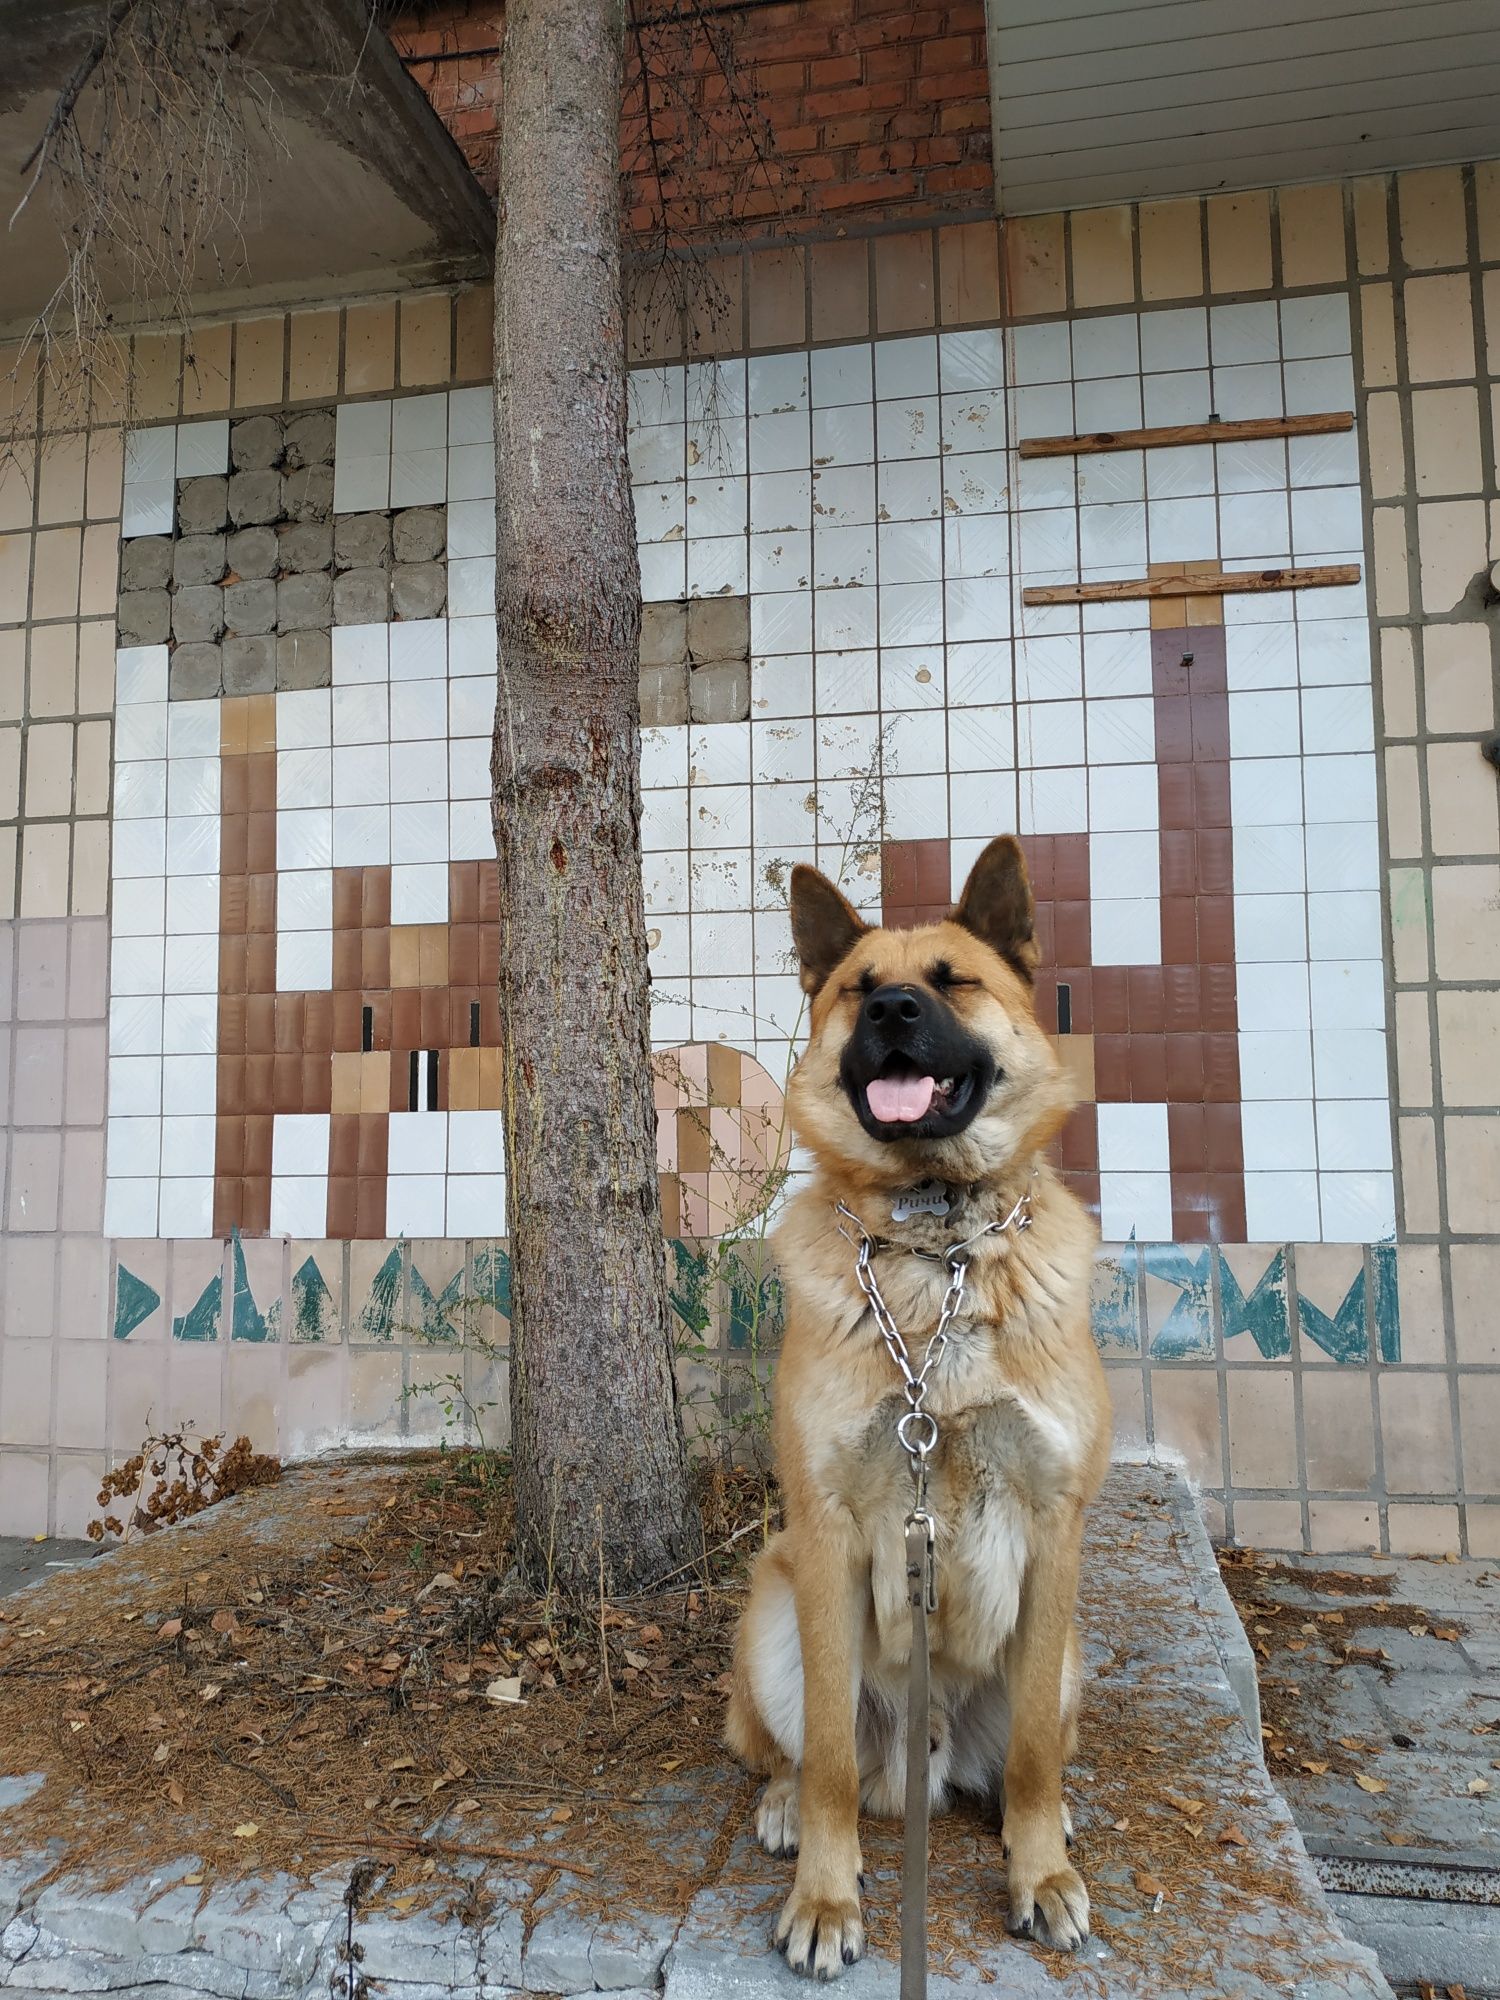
{"x":260,"y":722}
{"x":463,"y":1079}
{"x":260,"y":905}
{"x":1080,"y":984}
{"x":1216,"y":930}
{"x":1182,"y":998}
{"x":380,"y":1006}
{"x":1085,"y":1186}
{"x":1078,"y":1143}
{"x":317,"y":1083}
{"x":404,"y":949}
{"x":234,"y":895}
{"x":1174,"y":729}
{"x":934,"y":873}
{"x":1072,"y":940}
{"x":1174,"y":790}
{"x":1186,"y":1139}
{"x":1227,"y":1193}
{"x":898,"y":877}
{"x":234,"y":785}
{"x":226,"y":1205}
{"x":1223,"y":1140}
{"x":377,"y":1069}
{"x":489,"y":1024}
{"x":1038,"y":851}
{"x":1179,"y":862}
{"x":400,"y":1080}
{"x":343,"y":1211}
{"x":348,"y":894}
{"x":432,"y":954}
{"x":463,"y":892}
{"x":406,"y":1019}
{"x":234,"y":843}
{"x":1148,"y":1069}
{"x":374,"y":1144}
{"x":286,"y":1083}
{"x":290,"y":1010}
{"x":260,"y":844}
{"x":376,"y":898}
{"x":1070,"y":867}
{"x":1044,"y":929}
{"x":343,"y":1142}
{"x":1179,"y":930}
{"x":1147,"y":999}
{"x":375,"y":958}
{"x":258,"y":1135}
{"x":260,"y":1024}
{"x":255,"y":1205}
{"x":1221,"y":1069}
{"x":260,"y":787}
{"x":463,"y":958}
{"x":260,"y":963}
{"x":489,"y":892}
{"x":1192,"y":1216}
{"x":434,"y":1017}
{"x":348,"y":1013}
{"x":259,"y":1093}
{"x":1111,"y":999}
{"x":1211,"y":795}
{"x":1112,"y":1068}
{"x":489,"y":956}
{"x":234,"y":738}
{"x":491,"y":1080}
{"x":230,"y":1087}
{"x":1215,"y":848}
{"x":371,"y":1207}
{"x":229,"y":1147}
{"x":346,"y":961}
{"x":317,"y":1023}
{"x":461,"y":1001}
{"x":232,"y":1024}
{"x":346,"y":1071}
{"x":1185,"y":1072}
{"x":234,"y":971}
{"x":1220,"y":1010}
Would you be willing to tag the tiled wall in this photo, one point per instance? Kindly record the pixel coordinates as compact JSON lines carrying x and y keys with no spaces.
{"x":1211,"y":820}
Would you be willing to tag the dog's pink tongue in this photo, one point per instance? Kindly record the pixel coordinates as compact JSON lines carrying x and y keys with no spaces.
{"x":900,"y":1100}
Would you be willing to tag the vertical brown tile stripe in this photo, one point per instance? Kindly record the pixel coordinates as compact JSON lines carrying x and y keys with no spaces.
{"x":1182,"y":1037}
{"x":1058,"y":864}
{"x":916,"y":883}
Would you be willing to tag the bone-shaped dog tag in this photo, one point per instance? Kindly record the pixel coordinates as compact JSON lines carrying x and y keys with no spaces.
{"x":926,"y":1198}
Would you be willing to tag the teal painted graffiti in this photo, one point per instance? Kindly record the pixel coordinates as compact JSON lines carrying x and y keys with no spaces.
{"x":1116,"y":1305}
{"x":1188,"y":1327}
{"x":1387,"y":1300}
{"x":201,"y":1320}
{"x":492,"y":1279}
{"x":1262,"y":1313}
{"x":135,"y":1301}
{"x":313,"y":1313}
{"x":246,"y":1320}
{"x":1342,"y":1335}
{"x":377,"y":1319}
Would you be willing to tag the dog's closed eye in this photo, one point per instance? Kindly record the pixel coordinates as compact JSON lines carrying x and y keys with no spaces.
{"x":945,"y":979}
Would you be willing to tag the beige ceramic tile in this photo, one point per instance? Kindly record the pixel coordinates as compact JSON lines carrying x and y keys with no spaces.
{"x":1339,"y":1527}
{"x":8,"y":845}
{"x":1417,"y":1139}
{"x":65,"y":389}
{"x":13,"y":674}
{"x":1392,"y":582}
{"x":1398,"y":681}
{"x":1465,"y":899}
{"x":99,"y":585}
{"x":53,"y":676}
{"x":474,"y":334}
{"x":96,"y":667}
{"x":26,"y":1407}
{"x":1474,"y":1275}
{"x":1469,"y":1047}
{"x":1439,"y":328}
{"x":10,"y":773}
{"x":109,"y":383}
{"x":1377,"y":337}
{"x":375,"y":1406}
{"x":1445,"y":441}
{"x":1458,"y":679}
{"x":44,"y":871}
{"x":370,"y":349}
{"x":15,"y":577}
{"x":61,"y":477}
{"x":1262,"y":1427}
{"x":1338,"y":1430}
{"x":1171,"y":234}
{"x":259,"y":362}
{"x":1185,"y":1418}
{"x":1372,"y":225}
{"x":653,"y":326}
{"x":81,"y":1384}
{"x":1239,"y":241}
{"x":1268,"y":1524}
{"x":1128,"y":1402}
{"x":1453,"y":546}
{"x":905,"y":290}
{"x":155,"y":377}
{"x":1417,"y":1530}
{"x":313,"y":356}
{"x":1483,"y":1527}
{"x":1490,"y":283}
{"x":1416,"y":1431}
{"x":1487,"y":208}
{"x":207,"y":366}
{"x":18,"y":483}
{"x":1311,"y":223}
{"x":317,"y":1395}
{"x":1430,"y":203}
{"x":49,"y":770}
{"x":25,"y":1495}
{"x":969,"y":274}
{"x":56,"y":569}
{"x":18,"y":392}
{"x":1462,"y":800}
{"x":106,"y":474}
{"x":840,"y":287}
{"x":1413,"y":1051}
{"x":1386,"y":445}
{"x":1403,"y":801}
{"x":1471,"y":1144}
{"x":1102,"y":241}
{"x":89,"y":896}
{"x":715,"y":317}
{"x":426,"y":337}
{"x":1419,"y":1284}
{"x":1479,"y":1430}
{"x":1408,"y":900}
{"x":91,"y":770}
{"x":778,"y":298}
{"x":1032,"y":260}
{"x":75,"y":1490}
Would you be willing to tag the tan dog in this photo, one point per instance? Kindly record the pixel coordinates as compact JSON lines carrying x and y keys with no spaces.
{"x":924,"y":1063}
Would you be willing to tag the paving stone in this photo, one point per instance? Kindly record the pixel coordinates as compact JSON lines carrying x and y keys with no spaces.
{"x":420,"y":534}
{"x":664,"y":695}
{"x":203,"y":504}
{"x":304,"y":603}
{"x":198,"y":613}
{"x":360,"y":541}
{"x":420,"y":1947}
{"x":720,"y":692}
{"x":144,"y":617}
{"x":250,"y":664}
{"x":304,"y":660}
{"x":308,"y":495}
{"x":254,"y":498}
{"x":146,"y":562}
{"x":419,"y":590}
{"x":198,"y":559}
{"x":309,"y":439}
{"x":195,"y":672}
{"x":256,"y":443}
{"x":250,"y":606}
{"x":305,"y":546}
{"x":16,"y":1791}
{"x":718,"y":628}
{"x":663,"y":634}
{"x":362,"y":597}
{"x":253,"y":552}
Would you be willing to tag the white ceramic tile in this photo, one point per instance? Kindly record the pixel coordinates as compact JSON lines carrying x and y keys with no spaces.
{"x":1054,"y":801}
{"x":1331,"y":460}
{"x":419,"y":893}
{"x":418,"y":1142}
{"x":1106,"y":477}
{"x":1121,"y":731}
{"x":361,"y":485}
{"x":1354,"y":1135}
{"x":1174,"y":339}
{"x":1240,"y":333}
{"x":191,"y":964}
{"x":304,"y":961}
{"x":1047,"y":542}
{"x":1253,"y":390}
{"x":476,"y":1143}
{"x":1256,"y":465}
{"x":151,"y":455}
{"x":471,"y":587}
{"x":419,"y":423}
{"x":1113,"y":535}
{"x":418,"y":770}
{"x":1270,"y":928}
{"x":417,"y":832}
{"x":1337,"y":720}
{"x":130,"y":1207}
{"x":1268,"y":860}
{"x":1049,"y":732}
{"x":775,"y":383}
{"x":1112,"y":404}
{"x":471,"y":523}
{"x":419,"y":649}
{"x":1340,"y":788}
{"x":135,"y":1085}
{"x":916,"y":743}
{"x":719,"y":816}
{"x":713,"y":506}
{"x":1133,"y":1138}
{"x":1275,"y":1063}
{"x":1326,"y":520}
{"x":141,"y":790}
{"x":1123,"y":798}
{"x":972,"y":359}
{"x":912,"y":677}
{"x":1041,"y":353}
{"x":471,"y":412}
{"x":906,"y":368}
{"x":139,"y":847}
{"x":1314,"y":386}
{"x":1260,"y":656}
{"x":1046,"y":482}
{"x":780,"y":502}
{"x":1343,"y":857}
{"x":1331,"y":651}
{"x":779,"y":443}
{"x":203,"y":448}
{"x":192,"y":905}
{"x":1124,"y":865}
{"x":304,"y":778}
{"x":842,"y":375}
{"x":1348,"y":993}
{"x":976,"y":609}
{"x":719,"y":753}
{"x":133,"y":1147}
{"x":415,"y":1204}
{"x":361,"y":715}
{"x":1253,"y":524}
{"x":1265,"y":791}
{"x":304,"y":899}
{"x":192,"y":844}
{"x":664,"y":819}
{"x":963,"y":545}
{"x":975,"y":482}
{"x":1273,"y":997}
{"x":1125,"y":931}
{"x":1116,"y":663}
{"x":1182,"y":530}
{"x":471,"y":831}
{"x":189,"y":1024}
{"x":1357,"y":1208}
{"x":847,"y":618}
{"x":781,"y":561}
{"x":1264,"y":723}
{"x":140,"y":674}
{"x":1282,"y":1207}
{"x":362,"y":836}
{"x":138,"y":906}
{"x":1048,"y":668}
{"x":1109,"y":345}
{"x":476,"y":1205}
{"x":187,"y":1084}
{"x":1315,"y":326}
{"x":141,"y":731}
{"x":1138,"y":1205}
{"x":718,"y":566}
{"x":663,"y":571}
{"x":658,"y":451}
{"x":304,"y":719}
{"x":363,"y":430}
{"x":299,"y":1204}
{"x":471,"y":473}
{"x":419,"y":711}
{"x":1350,"y":1062}
{"x":916,"y":808}
{"x":1182,"y":398}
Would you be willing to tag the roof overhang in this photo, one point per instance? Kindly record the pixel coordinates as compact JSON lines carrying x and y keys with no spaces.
{"x":1098,"y":101}
{"x":355,"y":183}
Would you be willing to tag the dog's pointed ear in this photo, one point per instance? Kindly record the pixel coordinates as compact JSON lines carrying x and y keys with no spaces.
{"x":825,"y":927}
{"x":997,"y":906}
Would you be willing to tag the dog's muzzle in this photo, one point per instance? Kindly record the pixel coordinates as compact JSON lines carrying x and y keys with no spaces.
{"x":912,"y":1070}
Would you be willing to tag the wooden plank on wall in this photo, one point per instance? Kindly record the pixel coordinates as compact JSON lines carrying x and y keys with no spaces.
{"x":1240,"y":430}
{"x":1232,"y":583}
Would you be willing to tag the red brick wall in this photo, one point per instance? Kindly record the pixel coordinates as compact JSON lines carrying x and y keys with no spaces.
{"x":800,"y":117}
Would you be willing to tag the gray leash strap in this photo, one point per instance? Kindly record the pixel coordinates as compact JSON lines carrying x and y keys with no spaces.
{"x":921,"y":1595}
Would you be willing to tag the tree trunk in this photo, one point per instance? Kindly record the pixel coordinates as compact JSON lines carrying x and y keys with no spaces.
{"x":596,"y":1433}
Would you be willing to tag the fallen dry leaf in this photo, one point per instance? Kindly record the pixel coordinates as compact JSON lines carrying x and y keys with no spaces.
{"x":1370,"y":1784}
{"x":247,"y":1830}
{"x":506,"y":1688}
{"x":560,"y":1815}
{"x":1149,"y":1886}
{"x":1232,"y":1837}
{"x":170,"y":1630}
{"x":1478,"y":1785}
{"x":1315,"y":1765}
{"x":1189,"y":1808}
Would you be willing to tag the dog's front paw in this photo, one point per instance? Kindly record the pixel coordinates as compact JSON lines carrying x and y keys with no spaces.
{"x":820,"y":1935}
{"x":1050,"y":1906}
{"x":777,"y":1817}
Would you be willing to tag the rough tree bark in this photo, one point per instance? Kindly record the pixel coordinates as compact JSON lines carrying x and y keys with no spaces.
{"x":596,"y":1433}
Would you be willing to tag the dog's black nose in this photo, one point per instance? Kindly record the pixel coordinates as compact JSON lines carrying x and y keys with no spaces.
{"x":892,"y":1008}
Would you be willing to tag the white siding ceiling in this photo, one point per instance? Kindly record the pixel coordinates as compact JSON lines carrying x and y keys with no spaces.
{"x":1103,"y":100}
